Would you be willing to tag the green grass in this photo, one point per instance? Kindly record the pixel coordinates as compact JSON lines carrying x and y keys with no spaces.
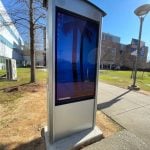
{"x":2,"y":72}
{"x":118,"y":78}
{"x":123,"y":78}
{"x":23,"y":78}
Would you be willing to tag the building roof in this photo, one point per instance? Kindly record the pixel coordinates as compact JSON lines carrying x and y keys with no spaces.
{"x":90,"y":3}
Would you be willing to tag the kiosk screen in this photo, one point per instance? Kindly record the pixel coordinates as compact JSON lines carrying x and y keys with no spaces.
{"x":76,"y":57}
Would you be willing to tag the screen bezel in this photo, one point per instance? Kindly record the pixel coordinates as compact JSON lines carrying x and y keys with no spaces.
{"x":73,"y":100}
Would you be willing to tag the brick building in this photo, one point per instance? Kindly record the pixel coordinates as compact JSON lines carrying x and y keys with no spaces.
{"x":130,"y":59}
{"x":148,"y":66}
{"x":115,"y":55}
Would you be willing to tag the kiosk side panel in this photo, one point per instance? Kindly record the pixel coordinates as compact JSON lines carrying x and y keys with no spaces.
{"x":51,"y":65}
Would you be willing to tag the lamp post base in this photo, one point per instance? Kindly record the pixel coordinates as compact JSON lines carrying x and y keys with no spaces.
{"x":132,"y":87}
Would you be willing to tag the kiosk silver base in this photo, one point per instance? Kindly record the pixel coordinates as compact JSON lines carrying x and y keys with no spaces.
{"x":75,"y":141}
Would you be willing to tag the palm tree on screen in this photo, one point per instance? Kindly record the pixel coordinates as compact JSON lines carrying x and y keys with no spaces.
{"x":86,"y":34}
{"x":74,"y":26}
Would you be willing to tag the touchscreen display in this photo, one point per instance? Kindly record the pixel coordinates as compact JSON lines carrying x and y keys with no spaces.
{"x":76,"y":57}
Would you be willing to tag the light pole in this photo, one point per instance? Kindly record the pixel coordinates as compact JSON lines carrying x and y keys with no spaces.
{"x":141,"y":12}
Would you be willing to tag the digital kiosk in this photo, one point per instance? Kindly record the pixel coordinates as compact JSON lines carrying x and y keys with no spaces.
{"x":73,"y":55}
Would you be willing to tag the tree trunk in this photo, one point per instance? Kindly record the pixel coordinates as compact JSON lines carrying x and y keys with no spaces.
{"x":32,"y":53}
{"x":74,"y":55}
{"x":81,"y":58}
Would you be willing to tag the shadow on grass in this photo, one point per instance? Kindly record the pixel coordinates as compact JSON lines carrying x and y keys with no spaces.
{"x":112,"y":101}
{"x":15,"y":86}
{"x":36,"y":144}
{"x":3,"y":79}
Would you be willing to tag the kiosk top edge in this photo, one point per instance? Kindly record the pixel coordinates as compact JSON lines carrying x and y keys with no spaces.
{"x":90,"y":3}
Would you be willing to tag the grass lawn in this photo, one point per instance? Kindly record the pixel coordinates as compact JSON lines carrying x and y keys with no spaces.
{"x":2,"y":72}
{"x":123,"y":78}
{"x":23,"y":78}
{"x":118,"y":78}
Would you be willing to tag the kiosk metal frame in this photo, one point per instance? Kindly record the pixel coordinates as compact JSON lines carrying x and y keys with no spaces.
{"x":67,"y":119}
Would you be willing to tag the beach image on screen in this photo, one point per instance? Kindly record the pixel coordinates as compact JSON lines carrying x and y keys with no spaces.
{"x":76,"y":57}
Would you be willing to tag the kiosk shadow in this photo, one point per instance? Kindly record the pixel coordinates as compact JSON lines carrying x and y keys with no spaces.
{"x":112,"y":101}
{"x":35,"y":144}
{"x":39,"y":143}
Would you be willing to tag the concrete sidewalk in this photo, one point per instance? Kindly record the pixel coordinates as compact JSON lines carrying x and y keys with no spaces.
{"x":131,"y":110}
{"x":123,"y":140}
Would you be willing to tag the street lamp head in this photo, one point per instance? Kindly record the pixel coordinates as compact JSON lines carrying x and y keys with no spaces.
{"x":142,"y":10}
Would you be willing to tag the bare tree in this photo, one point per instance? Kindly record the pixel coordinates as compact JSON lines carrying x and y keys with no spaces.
{"x":28,"y":16}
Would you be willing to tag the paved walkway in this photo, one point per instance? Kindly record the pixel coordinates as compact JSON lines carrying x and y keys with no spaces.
{"x":122,"y":140}
{"x":131,"y":110}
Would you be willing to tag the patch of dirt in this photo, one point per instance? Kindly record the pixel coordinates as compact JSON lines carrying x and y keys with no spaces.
{"x":144,"y":92}
{"x":20,"y":126}
{"x":32,"y":87}
{"x":106,"y":124}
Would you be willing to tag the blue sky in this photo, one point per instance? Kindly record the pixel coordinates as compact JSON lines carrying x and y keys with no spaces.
{"x":122,"y":21}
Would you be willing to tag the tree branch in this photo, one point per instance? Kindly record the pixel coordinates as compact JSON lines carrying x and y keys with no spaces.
{"x":37,"y":19}
{"x":22,"y":25}
{"x":21,"y":18}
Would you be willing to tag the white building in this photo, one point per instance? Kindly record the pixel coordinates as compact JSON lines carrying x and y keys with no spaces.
{"x":40,"y":58}
{"x":10,"y":39}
